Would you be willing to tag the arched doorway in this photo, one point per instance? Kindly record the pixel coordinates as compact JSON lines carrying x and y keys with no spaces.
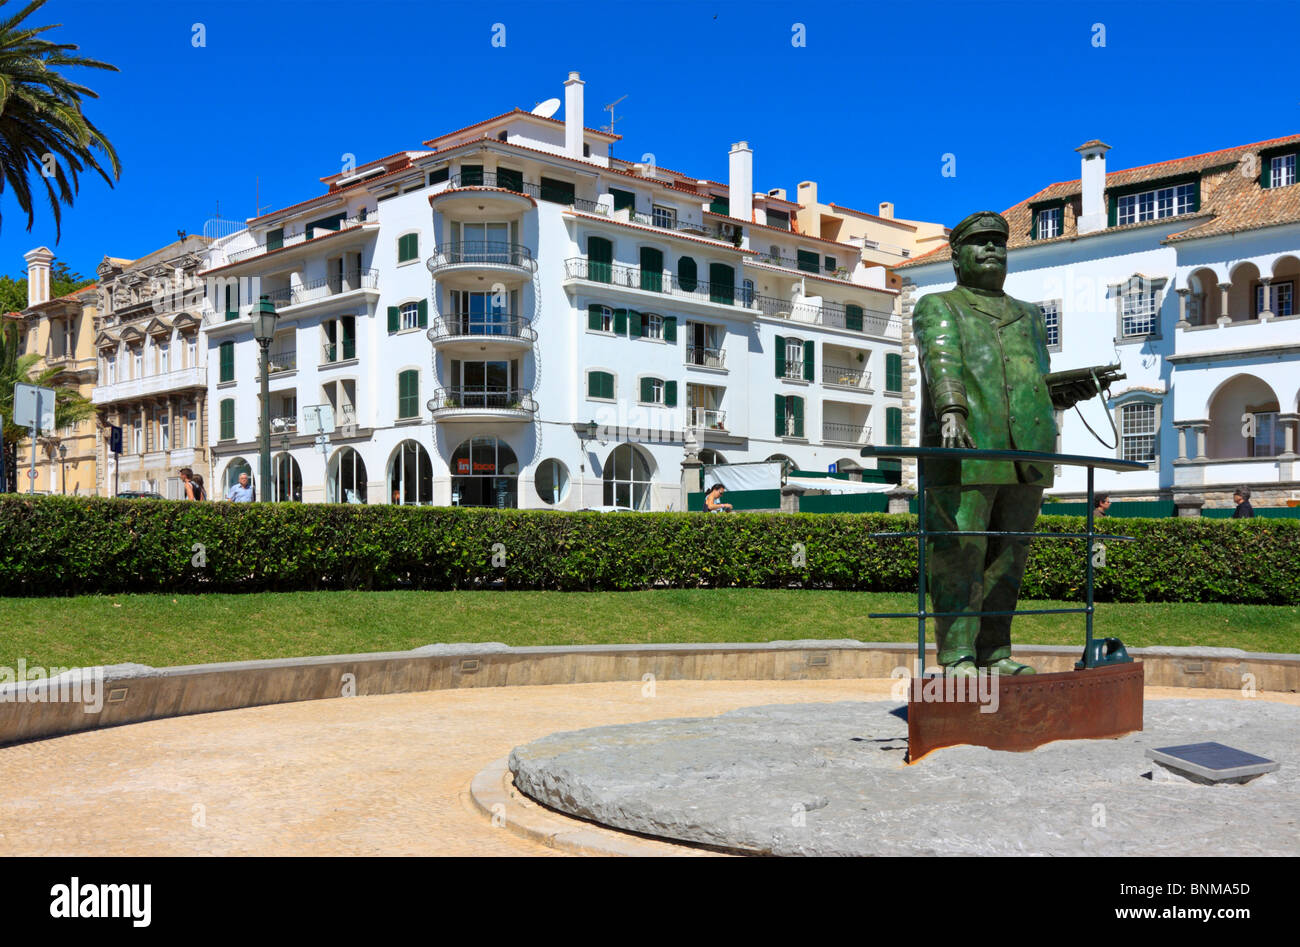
{"x":485,"y":472}
{"x":234,"y":468}
{"x":626,"y":474}
{"x":346,"y":482}
{"x":410,"y":475}
{"x":286,"y":478}
{"x":1240,"y":404}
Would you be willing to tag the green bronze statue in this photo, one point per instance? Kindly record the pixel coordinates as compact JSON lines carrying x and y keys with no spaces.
{"x":983,"y":359}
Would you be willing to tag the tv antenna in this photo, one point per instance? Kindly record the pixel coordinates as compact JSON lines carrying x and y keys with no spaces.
{"x":257,"y":197}
{"x":612,"y":120}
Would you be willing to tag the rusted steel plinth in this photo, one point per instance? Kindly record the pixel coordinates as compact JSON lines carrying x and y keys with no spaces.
{"x":1019,"y":713}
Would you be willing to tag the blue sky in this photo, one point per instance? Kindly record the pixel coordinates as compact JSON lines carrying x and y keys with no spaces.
{"x":868,"y":108}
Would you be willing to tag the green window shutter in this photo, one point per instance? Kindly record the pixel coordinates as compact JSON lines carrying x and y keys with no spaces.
{"x":1112,"y":210}
{"x":557,"y":192}
{"x":600,"y":256}
{"x":893,"y":427}
{"x":439,"y":175}
{"x":394,"y":319}
{"x":647,"y":389}
{"x":600,"y":385}
{"x":408,"y":393}
{"x":633,"y":324}
{"x":274,"y":239}
{"x":595,"y":317}
{"x":227,"y":419}
{"x":1196,"y":195}
{"x":893,"y":372}
{"x":623,"y":199}
{"x":1037,"y":214}
{"x":808,"y":261}
{"x":1265,"y":171}
{"x":808,"y":360}
{"x":853,"y":317}
{"x":670,"y":394}
{"x":797,"y":404}
{"x":349,"y":338}
{"x":607,"y":385}
{"x":721,"y":205}
{"x":408,"y":247}
{"x":780,"y":415}
{"x":722,"y":283}
{"x":510,"y":179}
{"x":830,"y":264}
{"x":423,"y":317}
{"x":227,"y":361}
{"x":652,"y":269}
{"x":620,"y":321}
{"x":780,"y":356}
{"x":670,"y":328}
{"x":593,"y":384}
{"x":687,"y":274}
{"x":471,"y":175}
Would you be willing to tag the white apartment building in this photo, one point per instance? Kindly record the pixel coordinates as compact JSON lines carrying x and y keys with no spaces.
{"x":511,"y":317}
{"x":1184,"y":272}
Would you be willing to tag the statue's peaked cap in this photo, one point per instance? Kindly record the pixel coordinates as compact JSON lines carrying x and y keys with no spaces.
{"x":982,"y":221}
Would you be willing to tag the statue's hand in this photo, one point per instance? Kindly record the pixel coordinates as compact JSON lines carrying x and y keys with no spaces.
{"x":954,"y":430}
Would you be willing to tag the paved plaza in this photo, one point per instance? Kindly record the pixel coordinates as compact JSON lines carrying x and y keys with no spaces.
{"x":386,"y":775}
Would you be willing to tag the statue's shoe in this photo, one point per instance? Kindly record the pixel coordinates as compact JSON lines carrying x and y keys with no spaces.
{"x":961,"y":669}
{"x":1007,"y":666}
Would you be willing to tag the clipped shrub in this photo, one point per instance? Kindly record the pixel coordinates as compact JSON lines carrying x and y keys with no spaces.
{"x":75,"y":546}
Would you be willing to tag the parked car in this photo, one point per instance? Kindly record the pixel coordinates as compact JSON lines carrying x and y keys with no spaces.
{"x":138,"y":495}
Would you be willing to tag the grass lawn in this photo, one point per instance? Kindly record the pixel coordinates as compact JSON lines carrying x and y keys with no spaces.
{"x":164,"y":630}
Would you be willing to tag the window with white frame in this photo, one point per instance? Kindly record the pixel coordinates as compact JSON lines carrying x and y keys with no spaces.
{"x":652,"y":390}
{"x":191,"y":348}
{"x":1270,"y":436}
{"x":137,"y":364}
{"x":410,"y":315}
{"x":665,"y":217}
{"x":793,"y":358}
{"x":1279,"y":298}
{"x":1138,"y":309}
{"x":1051,"y":310}
{"x":1153,"y":205}
{"x":606,"y":316}
{"x":1137,"y":429}
{"x":164,"y":430}
{"x":164,"y":358}
{"x":110,"y":367}
{"x":1281,"y":171}
{"x":192,"y":427}
{"x":1049,"y":223}
{"x":652,"y":325}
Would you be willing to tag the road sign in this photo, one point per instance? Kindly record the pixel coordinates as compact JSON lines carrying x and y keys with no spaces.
{"x":34,"y":405}
{"x":832,"y":468}
{"x":115,"y":439}
{"x":323,"y":443}
{"x":318,"y":419}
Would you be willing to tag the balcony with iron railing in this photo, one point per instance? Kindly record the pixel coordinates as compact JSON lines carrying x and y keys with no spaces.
{"x":461,"y":403}
{"x":284,"y":360}
{"x":839,"y":432}
{"x":704,"y":356}
{"x":301,"y":235}
{"x":482,"y":254}
{"x":332,"y":352}
{"x":706,"y":418}
{"x":833,"y":315}
{"x":480,"y":328}
{"x":329,"y":286}
{"x":838,"y":377}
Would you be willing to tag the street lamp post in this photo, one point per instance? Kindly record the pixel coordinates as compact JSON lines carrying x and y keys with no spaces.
{"x":585,"y":437}
{"x":264,"y":316}
{"x":63,"y":463}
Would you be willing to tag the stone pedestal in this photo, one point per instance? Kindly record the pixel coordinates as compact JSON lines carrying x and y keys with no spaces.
{"x":1189,"y":505}
{"x":900,"y":499}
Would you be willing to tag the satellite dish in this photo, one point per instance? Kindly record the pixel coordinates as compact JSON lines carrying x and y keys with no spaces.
{"x":547,"y":109}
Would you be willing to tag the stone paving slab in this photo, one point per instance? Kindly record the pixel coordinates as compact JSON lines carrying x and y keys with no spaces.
{"x":829,"y":779}
{"x":384,"y":775}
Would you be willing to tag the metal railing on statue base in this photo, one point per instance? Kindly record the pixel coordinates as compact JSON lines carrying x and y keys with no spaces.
{"x":1027,"y":710}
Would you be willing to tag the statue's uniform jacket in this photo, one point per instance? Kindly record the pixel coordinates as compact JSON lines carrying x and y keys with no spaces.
{"x":985,"y":358}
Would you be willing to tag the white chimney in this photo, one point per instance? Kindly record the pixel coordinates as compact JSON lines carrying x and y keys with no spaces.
{"x":1092,"y":178}
{"x":886,"y":210}
{"x":740,"y":181}
{"x":807,"y":193}
{"x":573,"y":121}
{"x":777,"y":192}
{"x":38,"y":275}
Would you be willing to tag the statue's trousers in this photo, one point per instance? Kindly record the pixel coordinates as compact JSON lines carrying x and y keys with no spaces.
{"x":977,"y":573}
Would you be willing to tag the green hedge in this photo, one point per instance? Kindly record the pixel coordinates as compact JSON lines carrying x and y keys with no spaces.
{"x":67,"y":546}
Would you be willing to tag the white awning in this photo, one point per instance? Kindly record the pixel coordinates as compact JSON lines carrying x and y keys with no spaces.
{"x":832,"y":485}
